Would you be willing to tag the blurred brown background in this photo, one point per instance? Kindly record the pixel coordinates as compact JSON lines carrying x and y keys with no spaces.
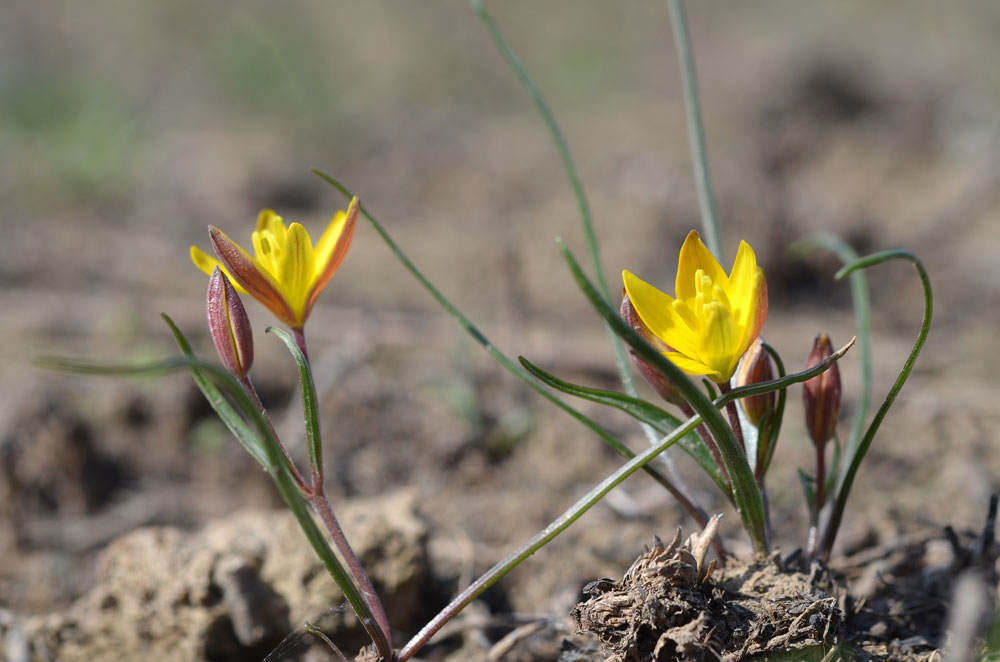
{"x":126,"y":128}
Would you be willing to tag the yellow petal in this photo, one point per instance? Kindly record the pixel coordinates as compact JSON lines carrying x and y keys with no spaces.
{"x":266,"y":249}
{"x":719,"y":339}
{"x":207,"y":263}
{"x":656,"y":310}
{"x":692,"y":367}
{"x":296,"y":269}
{"x":331,"y":250}
{"x":743,"y":284}
{"x":694,"y":256}
{"x":328,"y":241}
{"x":268,"y":221}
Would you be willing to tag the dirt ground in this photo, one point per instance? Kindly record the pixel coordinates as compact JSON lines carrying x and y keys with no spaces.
{"x":125,"y":130}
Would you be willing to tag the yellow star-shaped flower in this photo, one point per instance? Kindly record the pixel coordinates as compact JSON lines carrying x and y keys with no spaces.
{"x":288,"y":272}
{"x":714,"y":318}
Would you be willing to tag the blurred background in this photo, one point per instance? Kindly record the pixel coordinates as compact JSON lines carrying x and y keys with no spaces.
{"x":126,"y":128}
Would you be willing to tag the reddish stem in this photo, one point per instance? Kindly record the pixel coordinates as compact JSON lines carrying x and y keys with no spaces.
{"x":734,"y":416}
{"x":321,"y":504}
{"x":709,"y":441}
{"x":820,"y":477}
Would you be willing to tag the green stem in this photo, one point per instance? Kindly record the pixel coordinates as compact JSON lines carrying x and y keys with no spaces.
{"x":320,"y":503}
{"x":844,"y":486}
{"x":540,"y":540}
{"x":696,"y":130}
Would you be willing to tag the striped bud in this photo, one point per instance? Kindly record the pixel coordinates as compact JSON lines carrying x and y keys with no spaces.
{"x":657,"y":380}
{"x":229,"y":325}
{"x":822,"y":394}
{"x":756,"y":368}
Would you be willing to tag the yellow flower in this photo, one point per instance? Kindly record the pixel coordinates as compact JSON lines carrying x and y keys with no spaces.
{"x":714,"y":318}
{"x":288,"y":272}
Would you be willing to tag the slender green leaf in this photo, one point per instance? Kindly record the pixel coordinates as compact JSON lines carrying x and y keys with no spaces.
{"x":297,"y":503}
{"x":309,"y":409}
{"x":807,"y":488}
{"x":844,"y":486}
{"x":500,"y":357}
{"x":661,"y":421}
{"x":783,"y":382}
{"x":831,"y":474}
{"x":542,"y":538}
{"x":696,"y":130}
{"x":562,"y":146}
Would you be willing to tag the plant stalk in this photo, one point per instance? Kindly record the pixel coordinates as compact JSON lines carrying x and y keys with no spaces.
{"x":696,"y":129}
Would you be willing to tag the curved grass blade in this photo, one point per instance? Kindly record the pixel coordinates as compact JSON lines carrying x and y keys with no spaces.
{"x":500,"y":357}
{"x":746,"y":493}
{"x":661,"y":421}
{"x":782,"y":382}
{"x":542,"y":538}
{"x":862,"y":314}
{"x":844,"y":486}
{"x":562,"y":146}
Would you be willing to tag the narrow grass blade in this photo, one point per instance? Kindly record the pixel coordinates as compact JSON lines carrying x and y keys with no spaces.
{"x":500,"y":357}
{"x":309,"y":408}
{"x":844,"y":486}
{"x":542,"y":538}
{"x":696,"y":130}
{"x":586,"y":218}
{"x":648,"y":413}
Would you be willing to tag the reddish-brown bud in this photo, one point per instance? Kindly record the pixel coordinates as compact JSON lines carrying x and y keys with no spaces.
{"x":822,"y":394}
{"x":229,"y":325}
{"x":659,"y":383}
{"x":756,"y":368}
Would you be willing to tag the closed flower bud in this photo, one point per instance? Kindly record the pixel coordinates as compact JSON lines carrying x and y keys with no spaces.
{"x":822,"y":394}
{"x":659,"y":382}
{"x":756,"y":368}
{"x":229,"y":325}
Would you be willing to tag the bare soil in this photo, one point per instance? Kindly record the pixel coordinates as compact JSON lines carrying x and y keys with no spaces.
{"x":124,"y":131}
